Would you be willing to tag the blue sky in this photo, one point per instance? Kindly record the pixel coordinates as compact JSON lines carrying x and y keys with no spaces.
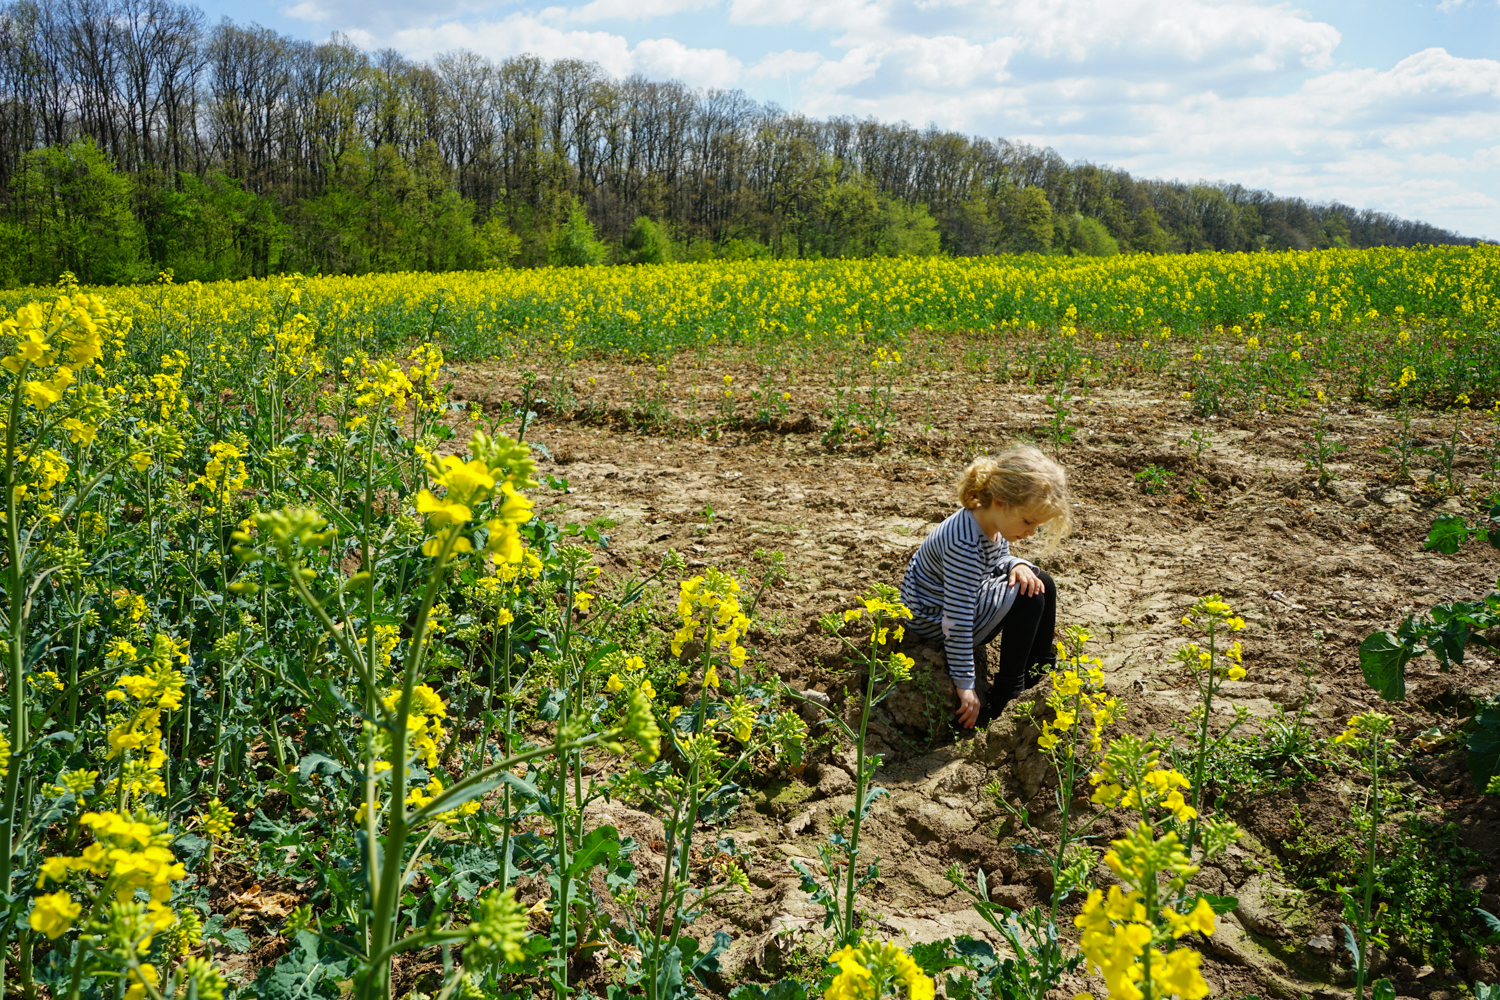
{"x":1385,"y":104}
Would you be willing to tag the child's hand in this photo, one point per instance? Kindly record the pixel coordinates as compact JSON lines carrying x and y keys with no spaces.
{"x":968,"y":708}
{"x":1023,"y":578}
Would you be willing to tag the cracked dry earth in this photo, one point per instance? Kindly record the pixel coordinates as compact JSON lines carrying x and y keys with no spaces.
{"x":1311,"y":574}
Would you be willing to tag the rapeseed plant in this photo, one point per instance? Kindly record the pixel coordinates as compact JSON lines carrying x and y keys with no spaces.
{"x":1209,"y":666}
{"x":883,"y":666}
{"x":1125,"y":933}
{"x":872,"y":971}
{"x":1365,"y":739}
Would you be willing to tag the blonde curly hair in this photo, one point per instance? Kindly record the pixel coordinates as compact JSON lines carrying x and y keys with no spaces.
{"x":1021,"y":477}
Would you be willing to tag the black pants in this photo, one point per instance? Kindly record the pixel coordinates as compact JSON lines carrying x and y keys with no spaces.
{"x":1026,"y":636}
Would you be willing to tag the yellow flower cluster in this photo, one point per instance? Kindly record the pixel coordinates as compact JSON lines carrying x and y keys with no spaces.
{"x":387,"y":638}
{"x":1120,"y":953}
{"x":1211,"y":612}
{"x":711,"y":602}
{"x":426,"y":362}
{"x":1077,"y":685}
{"x":218,"y":821}
{"x":137,"y":739}
{"x":293,"y":344}
{"x":382,"y":385}
{"x":1199,"y":660}
{"x":223,"y":476}
{"x":1128,"y":776}
{"x":499,"y":468}
{"x":58,"y":339}
{"x":1120,"y":938}
{"x":872,"y":970}
{"x":634,"y":678}
{"x":883,"y":610}
{"x":39,"y":473}
{"x":166,"y":386}
{"x":54,"y":914}
{"x":420,"y":797}
{"x":1363,"y":727}
{"x":424,"y":727}
{"x":129,"y":852}
{"x":133,"y":606}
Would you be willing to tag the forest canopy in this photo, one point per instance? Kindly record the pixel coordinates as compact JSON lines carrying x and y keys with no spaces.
{"x":135,"y":137}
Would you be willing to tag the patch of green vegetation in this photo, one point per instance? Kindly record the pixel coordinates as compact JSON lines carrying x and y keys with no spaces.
{"x":1418,"y":883}
{"x":1153,"y":479}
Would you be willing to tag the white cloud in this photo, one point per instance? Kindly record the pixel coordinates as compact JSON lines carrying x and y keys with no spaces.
{"x":631,"y":10}
{"x":658,"y":58}
{"x":515,"y":35}
{"x":818,"y":15}
{"x":665,"y":57}
{"x":779,"y":64}
{"x":307,"y":11}
{"x":1266,"y":37}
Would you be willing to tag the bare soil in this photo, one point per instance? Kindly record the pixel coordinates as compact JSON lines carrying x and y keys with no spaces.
{"x":1313,"y":572}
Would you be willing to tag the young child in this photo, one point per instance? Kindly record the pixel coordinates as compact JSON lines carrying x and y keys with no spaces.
{"x":964,"y":587}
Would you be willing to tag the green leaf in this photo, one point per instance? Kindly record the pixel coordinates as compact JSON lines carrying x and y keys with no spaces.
{"x":1382,"y":990}
{"x":300,"y":975}
{"x":1492,"y":923}
{"x":932,"y":957}
{"x":551,"y":706}
{"x":1483,"y":743}
{"x":601,"y":844}
{"x":786,"y":989}
{"x":1220,"y":904}
{"x":871,"y":796}
{"x":1448,"y":534}
{"x":468,"y":868}
{"x":316,"y":763}
{"x":1383,"y":658}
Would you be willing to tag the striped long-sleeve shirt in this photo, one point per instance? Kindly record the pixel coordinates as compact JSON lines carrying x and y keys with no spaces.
{"x":951,"y":588}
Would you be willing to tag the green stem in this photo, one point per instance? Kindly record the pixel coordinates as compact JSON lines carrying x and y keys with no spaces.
{"x":17,"y":620}
{"x":1067,"y":801}
{"x":1369,"y":887}
{"x":860,"y":781}
{"x":1201,"y":762}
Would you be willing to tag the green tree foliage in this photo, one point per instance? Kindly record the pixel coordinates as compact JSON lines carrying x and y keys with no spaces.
{"x":380,"y":213}
{"x":1333,"y":232}
{"x":743,"y":248}
{"x":1027,"y":221}
{"x":1148,"y":235}
{"x":498,"y":246}
{"x":908,"y":230}
{"x":211,"y":228}
{"x":848,"y":221}
{"x":970,"y":229}
{"x":1080,"y":236}
{"x":76,"y":210}
{"x":574,"y":244}
{"x":647,"y":242}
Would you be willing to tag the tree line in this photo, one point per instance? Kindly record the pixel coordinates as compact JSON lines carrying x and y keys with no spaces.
{"x":134,"y":136}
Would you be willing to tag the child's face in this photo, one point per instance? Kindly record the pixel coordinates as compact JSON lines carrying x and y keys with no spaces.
{"x":1019,"y":523}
